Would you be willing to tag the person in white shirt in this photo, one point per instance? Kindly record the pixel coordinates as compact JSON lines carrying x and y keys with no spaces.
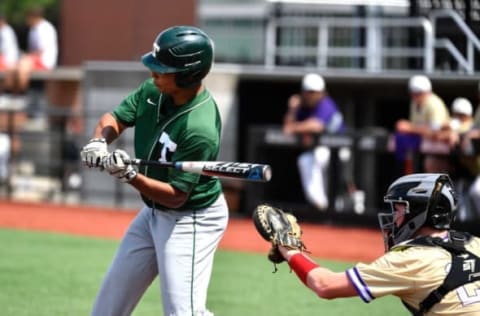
{"x":42,"y":53}
{"x":9,"y":54}
{"x":9,"y":51}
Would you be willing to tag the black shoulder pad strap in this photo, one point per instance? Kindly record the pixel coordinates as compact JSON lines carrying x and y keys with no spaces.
{"x":464,"y":269}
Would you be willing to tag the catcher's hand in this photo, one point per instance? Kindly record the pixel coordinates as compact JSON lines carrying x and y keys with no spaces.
{"x":278,"y":227}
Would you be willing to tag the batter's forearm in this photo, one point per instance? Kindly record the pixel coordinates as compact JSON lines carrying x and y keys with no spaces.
{"x":158,"y":191}
{"x":108,"y":127}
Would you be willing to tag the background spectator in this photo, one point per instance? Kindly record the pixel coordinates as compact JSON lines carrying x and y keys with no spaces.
{"x":428,"y":113}
{"x":313,"y":111}
{"x":41,"y":54}
{"x":9,"y":53}
{"x":461,"y":121}
{"x":462,"y":168}
{"x":469,"y":145}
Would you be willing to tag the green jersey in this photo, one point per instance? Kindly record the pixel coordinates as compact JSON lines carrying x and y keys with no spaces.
{"x":166,"y":132}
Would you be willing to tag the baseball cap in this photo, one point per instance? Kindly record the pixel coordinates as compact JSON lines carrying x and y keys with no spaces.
{"x":462,"y":106}
{"x":419,"y":84}
{"x":313,"y":82}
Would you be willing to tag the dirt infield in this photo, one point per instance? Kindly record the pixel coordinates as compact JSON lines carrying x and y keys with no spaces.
{"x":348,"y":244}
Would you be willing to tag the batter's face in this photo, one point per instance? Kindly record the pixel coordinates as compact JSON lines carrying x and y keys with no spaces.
{"x":165,"y":83}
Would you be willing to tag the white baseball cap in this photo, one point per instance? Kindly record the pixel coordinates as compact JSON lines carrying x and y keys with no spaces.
{"x":419,"y":84}
{"x":462,"y":106}
{"x":313,"y":82}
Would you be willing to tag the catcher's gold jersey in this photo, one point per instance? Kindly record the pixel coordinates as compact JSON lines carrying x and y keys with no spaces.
{"x":412,"y":273}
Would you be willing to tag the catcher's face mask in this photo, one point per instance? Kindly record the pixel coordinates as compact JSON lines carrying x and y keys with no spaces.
{"x":392,"y":221}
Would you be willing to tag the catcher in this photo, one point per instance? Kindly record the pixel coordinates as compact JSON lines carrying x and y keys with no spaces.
{"x":433,"y":269}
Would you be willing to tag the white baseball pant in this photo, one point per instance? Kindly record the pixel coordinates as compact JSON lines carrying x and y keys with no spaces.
{"x":179,"y":246}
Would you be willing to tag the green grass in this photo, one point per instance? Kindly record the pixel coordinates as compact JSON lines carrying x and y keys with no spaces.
{"x":53,"y":274}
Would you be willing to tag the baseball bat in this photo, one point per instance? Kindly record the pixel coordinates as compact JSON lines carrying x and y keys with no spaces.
{"x":222,"y":169}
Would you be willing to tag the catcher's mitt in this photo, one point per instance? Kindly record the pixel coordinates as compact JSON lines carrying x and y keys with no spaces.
{"x":278,"y":227}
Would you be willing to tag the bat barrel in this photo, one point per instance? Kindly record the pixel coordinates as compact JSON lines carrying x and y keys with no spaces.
{"x":237,"y":170}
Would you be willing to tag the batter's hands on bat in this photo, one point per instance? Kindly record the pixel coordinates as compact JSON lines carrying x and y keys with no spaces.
{"x":93,"y":153}
{"x":115,"y":164}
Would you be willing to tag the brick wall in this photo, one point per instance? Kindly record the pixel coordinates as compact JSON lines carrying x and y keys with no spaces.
{"x":116,"y":30}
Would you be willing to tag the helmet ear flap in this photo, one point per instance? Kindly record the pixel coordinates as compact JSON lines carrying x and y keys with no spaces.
{"x":188,"y":79}
{"x":443,"y":205}
{"x":442,"y":220}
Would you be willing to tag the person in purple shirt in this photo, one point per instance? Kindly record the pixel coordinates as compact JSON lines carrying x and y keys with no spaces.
{"x":311,"y":112}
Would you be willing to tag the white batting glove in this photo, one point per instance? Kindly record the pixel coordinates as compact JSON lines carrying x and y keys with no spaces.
{"x":115,"y":164}
{"x":93,"y":153}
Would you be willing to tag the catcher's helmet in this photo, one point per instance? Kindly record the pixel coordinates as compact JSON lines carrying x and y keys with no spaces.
{"x":417,"y":200}
{"x":184,"y":50}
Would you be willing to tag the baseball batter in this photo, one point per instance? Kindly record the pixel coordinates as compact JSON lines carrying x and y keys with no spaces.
{"x":176,"y":233}
{"x":433,"y":269}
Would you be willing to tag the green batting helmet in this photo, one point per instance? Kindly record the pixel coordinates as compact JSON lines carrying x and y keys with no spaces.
{"x":184,"y":50}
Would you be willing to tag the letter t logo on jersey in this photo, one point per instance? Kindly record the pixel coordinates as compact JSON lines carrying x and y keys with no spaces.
{"x":168,"y":146}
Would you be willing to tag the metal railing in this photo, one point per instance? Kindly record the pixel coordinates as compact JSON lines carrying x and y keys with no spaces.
{"x":370,"y":53}
{"x":45,"y":166}
{"x":43,"y":162}
{"x":467,"y":63}
{"x":370,"y":43}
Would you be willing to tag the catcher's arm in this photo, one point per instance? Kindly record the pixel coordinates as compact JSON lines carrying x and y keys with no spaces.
{"x":284,"y":233}
{"x":324,"y":282}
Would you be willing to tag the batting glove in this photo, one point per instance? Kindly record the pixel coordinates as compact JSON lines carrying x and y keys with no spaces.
{"x":94,"y":152}
{"x":117,"y":165}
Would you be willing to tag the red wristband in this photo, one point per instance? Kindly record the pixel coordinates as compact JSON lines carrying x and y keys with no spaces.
{"x":301,"y":265}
